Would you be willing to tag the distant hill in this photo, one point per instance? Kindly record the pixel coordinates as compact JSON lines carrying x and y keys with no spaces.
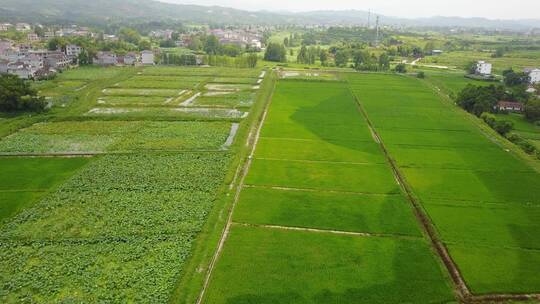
{"x":97,"y":11}
{"x":65,"y":11}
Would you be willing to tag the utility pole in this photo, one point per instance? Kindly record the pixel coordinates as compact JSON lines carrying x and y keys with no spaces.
{"x":378,"y":32}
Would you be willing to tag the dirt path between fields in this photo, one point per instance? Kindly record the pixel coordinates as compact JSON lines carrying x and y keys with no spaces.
{"x":317,"y":190}
{"x":461,"y":289}
{"x":244,"y":173}
{"x":353,"y":233}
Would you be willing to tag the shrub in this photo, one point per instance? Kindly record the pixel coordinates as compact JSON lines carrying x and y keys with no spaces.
{"x":17,"y":95}
{"x":400,"y":68}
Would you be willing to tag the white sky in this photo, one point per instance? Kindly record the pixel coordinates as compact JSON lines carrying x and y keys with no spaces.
{"x":492,"y":9}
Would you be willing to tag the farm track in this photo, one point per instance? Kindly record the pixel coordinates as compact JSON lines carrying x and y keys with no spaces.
{"x":91,"y":154}
{"x":318,"y":190}
{"x":317,"y":161}
{"x":340,"y":232}
{"x":461,"y":289}
{"x":241,"y":175}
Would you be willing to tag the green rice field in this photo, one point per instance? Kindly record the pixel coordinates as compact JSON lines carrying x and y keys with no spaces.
{"x":273,"y":255}
{"x":482,"y":200}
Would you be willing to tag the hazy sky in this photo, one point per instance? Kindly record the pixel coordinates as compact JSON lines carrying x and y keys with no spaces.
{"x":493,"y":9}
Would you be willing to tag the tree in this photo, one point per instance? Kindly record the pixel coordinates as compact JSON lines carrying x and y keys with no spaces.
{"x":275,"y":52}
{"x":384,"y":61}
{"x":231,"y":50}
{"x":195,"y":44}
{"x":252,"y":59}
{"x":421,"y":75}
{"x":498,"y":53}
{"x":166,"y":44}
{"x":286,"y":42}
{"x":211,"y":45}
{"x":430,"y":46}
{"x":342,"y":57}
{"x":480,"y":99}
{"x":400,"y":68}
{"x":323,"y":57}
{"x":56,"y":43}
{"x":503,"y":126}
{"x":470,"y":67}
{"x":512,"y":78}
{"x":18,"y":95}
{"x":129,"y":35}
{"x":302,"y":56}
{"x":85,"y":58}
{"x":532,"y":110}
{"x":147,"y":45}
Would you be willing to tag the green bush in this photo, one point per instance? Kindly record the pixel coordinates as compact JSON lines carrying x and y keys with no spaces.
{"x":17,"y":95}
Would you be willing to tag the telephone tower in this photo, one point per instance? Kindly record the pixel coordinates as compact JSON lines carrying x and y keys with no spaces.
{"x":369,"y":19}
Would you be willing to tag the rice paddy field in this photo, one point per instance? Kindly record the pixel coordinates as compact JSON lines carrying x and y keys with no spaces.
{"x":327,"y":225}
{"x":482,"y":200}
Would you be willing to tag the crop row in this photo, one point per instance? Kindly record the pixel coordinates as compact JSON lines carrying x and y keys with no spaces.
{"x":102,"y":136}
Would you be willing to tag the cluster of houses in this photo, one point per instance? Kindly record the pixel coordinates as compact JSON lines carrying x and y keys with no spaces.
{"x":240,"y":37}
{"x":48,"y":33}
{"x":19,"y":27}
{"x":484,"y":69}
{"x":28,"y":63}
{"x":511,"y":106}
{"x":131,"y":58}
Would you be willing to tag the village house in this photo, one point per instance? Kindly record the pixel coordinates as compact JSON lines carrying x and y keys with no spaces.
{"x":5,"y":27}
{"x":106,"y":58}
{"x":147,"y":57}
{"x":24,"y":48}
{"x":509,"y":106}
{"x":131,"y":58}
{"x":22,"y":70}
{"x":12,"y":54}
{"x":4,"y":66}
{"x":22,"y":27}
{"x":5,"y":44}
{"x":111,"y":38}
{"x":483,"y":68}
{"x":437,"y":52}
{"x":534,"y":75}
{"x":57,"y":60}
{"x":33,"y":37}
{"x":33,"y":60}
{"x":49,"y":35}
{"x":162,"y":34}
{"x":73,"y":50}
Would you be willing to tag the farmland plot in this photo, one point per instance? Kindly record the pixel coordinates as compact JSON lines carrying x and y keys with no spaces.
{"x":115,"y":136}
{"x":317,"y":166}
{"x":182,"y":93}
{"x":24,"y":180}
{"x":126,"y":223}
{"x":482,"y":200}
{"x":122,"y":226}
